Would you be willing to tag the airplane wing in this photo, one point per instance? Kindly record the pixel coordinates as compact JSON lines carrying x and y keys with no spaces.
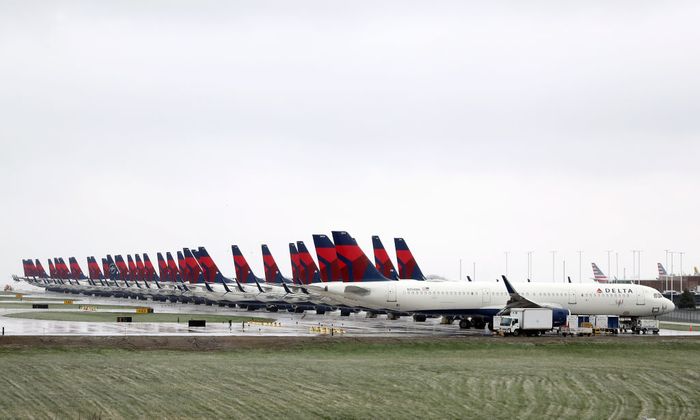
{"x":516,"y":300}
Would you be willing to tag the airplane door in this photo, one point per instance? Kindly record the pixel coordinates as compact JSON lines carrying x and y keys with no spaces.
{"x":485,"y":296}
{"x":640,"y":297}
{"x":572,"y":297}
{"x":391,"y":293}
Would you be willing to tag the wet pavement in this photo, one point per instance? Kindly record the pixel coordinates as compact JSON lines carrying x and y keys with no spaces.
{"x":285,"y":323}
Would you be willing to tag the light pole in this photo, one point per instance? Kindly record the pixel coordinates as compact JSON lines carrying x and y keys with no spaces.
{"x":506,"y":253}
{"x":609,"y":251}
{"x":529,"y":265}
{"x":554,"y":253}
{"x":666,"y":267}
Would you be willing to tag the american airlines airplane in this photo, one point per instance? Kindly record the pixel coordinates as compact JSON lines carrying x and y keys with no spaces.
{"x":369,"y":289}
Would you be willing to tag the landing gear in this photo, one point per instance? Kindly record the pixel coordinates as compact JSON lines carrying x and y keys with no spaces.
{"x":320,"y":311}
{"x":345,"y":312}
{"x":465,"y":324}
{"x":419,"y":318}
{"x":370,"y":314}
{"x":392,"y":316}
{"x":479,"y":323}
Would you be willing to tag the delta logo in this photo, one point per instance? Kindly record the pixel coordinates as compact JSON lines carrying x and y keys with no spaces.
{"x":599,"y":291}
{"x":607,"y":290}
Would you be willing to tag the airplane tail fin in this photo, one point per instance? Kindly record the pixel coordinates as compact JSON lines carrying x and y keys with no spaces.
{"x":272,"y":271}
{"x":122,"y":268}
{"x":408,"y":267}
{"x":296,"y":265}
{"x":695,"y":270}
{"x":93,"y":269}
{"x":149,"y":271}
{"x":183,"y":268}
{"x":195,"y":271}
{"x":140,"y":268}
{"x":63,"y":270}
{"x":162,"y":268}
{"x":382,"y":260}
{"x":328,"y":263}
{"x":598,"y":274}
{"x":662,"y":270}
{"x":173,"y":269}
{"x":354,"y":264}
{"x":212,"y":274}
{"x":40,"y":269}
{"x":133,"y":271}
{"x":52,"y":270}
{"x":75,"y":270}
{"x":309,"y":272}
{"x":244,"y":273}
{"x":29,"y":269}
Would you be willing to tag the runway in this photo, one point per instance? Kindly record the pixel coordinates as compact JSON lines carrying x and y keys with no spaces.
{"x":285,"y":324}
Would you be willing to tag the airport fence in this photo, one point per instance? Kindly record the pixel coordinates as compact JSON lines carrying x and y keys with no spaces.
{"x":682,"y":315}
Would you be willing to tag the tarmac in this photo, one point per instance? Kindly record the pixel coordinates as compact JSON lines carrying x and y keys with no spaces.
{"x":285,"y":324}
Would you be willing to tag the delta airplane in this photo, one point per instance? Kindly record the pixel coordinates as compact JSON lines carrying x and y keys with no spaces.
{"x":481,"y":301}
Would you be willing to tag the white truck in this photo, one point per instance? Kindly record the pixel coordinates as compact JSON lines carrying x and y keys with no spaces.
{"x":526,"y":321}
{"x":646,"y":325}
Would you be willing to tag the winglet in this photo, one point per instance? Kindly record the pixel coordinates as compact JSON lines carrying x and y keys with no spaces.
{"x":509,"y":287}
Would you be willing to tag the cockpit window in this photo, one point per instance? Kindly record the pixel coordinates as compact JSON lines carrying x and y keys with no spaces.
{"x":657,"y":296}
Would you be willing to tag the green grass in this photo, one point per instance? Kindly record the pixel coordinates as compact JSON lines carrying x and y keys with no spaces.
{"x":678,"y":327}
{"x":437,"y":379}
{"x":112,"y":317}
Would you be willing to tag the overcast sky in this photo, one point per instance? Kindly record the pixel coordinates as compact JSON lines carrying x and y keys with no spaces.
{"x":470,"y":129}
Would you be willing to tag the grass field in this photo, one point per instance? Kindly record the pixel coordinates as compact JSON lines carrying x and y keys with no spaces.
{"x":493,"y":378}
{"x":112,"y":317}
{"x":678,"y":327}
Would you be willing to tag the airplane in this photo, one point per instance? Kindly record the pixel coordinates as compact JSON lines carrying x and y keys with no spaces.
{"x":478,"y":302}
{"x":382,"y":260}
{"x":662,"y":271}
{"x":270,"y":296}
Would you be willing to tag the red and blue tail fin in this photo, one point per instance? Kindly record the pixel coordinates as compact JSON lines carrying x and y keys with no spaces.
{"x":149,"y":271}
{"x":294,"y":259}
{"x":382,"y":260}
{"x":354,"y":264}
{"x":133,"y":271}
{"x":309,"y":272}
{"x":173,"y":268}
{"x":140,"y":268}
{"x":184,"y":270}
{"x":52,"y":270}
{"x":75,"y":271}
{"x":272,"y":271}
{"x":163,"y":270}
{"x":64,"y":269}
{"x":244,"y":273}
{"x":212,"y":274}
{"x":123,"y":269}
{"x":94,"y":271}
{"x":328,"y":263}
{"x":408,"y":267}
{"x":194,"y":270}
{"x":40,"y":269}
{"x":28,"y":267}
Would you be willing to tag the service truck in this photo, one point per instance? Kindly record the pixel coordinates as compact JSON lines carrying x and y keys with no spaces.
{"x":646,"y":325}
{"x":526,"y":321}
{"x":577,"y":325}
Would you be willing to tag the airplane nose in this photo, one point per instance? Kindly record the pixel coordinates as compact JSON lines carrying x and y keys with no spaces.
{"x":670,"y":305}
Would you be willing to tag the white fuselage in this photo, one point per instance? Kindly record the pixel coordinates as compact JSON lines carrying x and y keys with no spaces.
{"x":451,"y":297}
